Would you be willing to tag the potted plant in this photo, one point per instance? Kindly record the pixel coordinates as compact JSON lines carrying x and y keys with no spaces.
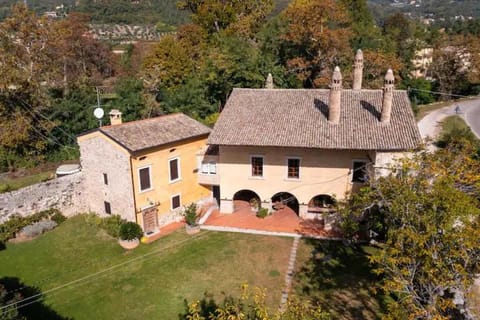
{"x":254,"y":204}
{"x":191,"y":219}
{"x":130,"y":233}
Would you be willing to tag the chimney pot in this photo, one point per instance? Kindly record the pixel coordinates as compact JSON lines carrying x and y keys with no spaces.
{"x":269,"y":82}
{"x":358,"y":70}
{"x":387,"y":97}
{"x":115,"y":117}
{"x":335,"y":96}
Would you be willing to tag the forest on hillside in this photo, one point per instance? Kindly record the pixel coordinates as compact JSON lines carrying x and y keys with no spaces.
{"x":53,"y":76}
{"x":165,"y":11}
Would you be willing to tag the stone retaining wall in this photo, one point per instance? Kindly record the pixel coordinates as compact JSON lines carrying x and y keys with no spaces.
{"x":62,"y":193}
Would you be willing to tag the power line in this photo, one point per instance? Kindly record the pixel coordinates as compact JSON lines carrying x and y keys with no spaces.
{"x":439,"y":93}
{"x":27,"y":107}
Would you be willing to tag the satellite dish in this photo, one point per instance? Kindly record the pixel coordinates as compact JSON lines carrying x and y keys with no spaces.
{"x":98,"y":113}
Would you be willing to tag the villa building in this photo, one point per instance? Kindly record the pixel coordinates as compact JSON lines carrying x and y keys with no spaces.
{"x":307,"y":148}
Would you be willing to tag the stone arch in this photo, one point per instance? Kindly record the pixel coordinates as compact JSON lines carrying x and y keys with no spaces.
{"x":322,"y":203}
{"x":243,"y":198}
{"x":282,"y":199}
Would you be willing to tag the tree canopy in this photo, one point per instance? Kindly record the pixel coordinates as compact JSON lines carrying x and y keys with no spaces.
{"x":427,"y":211}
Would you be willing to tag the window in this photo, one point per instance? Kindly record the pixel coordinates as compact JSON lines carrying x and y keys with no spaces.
{"x":105,"y":179}
{"x":359,"y":171}
{"x":174,"y":169}
{"x":257,"y":166}
{"x":144,"y":176}
{"x":209,"y":167}
{"x":108,"y":209}
{"x":213,"y":167}
{"x":293,"y":168}
{"x":175,"y":202}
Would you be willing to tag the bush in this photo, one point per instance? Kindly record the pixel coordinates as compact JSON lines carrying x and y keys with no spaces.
{"x":262,"y":212}
{"x":190,"y":214}
{"x":38,"y":228}
{"x":58,"y":217}
{"x":130,"y":231}
{"x":111,"y":225}
{"x":9,"y":229}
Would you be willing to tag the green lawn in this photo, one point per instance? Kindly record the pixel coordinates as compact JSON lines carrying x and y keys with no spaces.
{"x":453,"y":123}
{"x":339,"y":278}
{"x":10,"y":184}
{"x":154,"y":279}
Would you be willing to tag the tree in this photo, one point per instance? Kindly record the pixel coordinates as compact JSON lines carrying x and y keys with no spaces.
{"x":80,"y":55}
{"x":376,"y":64}
{"x":251,"y":306}
{"x":318,"y":34}
{"x":27,"y":48}
{"x":366,"y":34}
{"x":129,"y":99}
{"x":429,"y":204}
{"x":241,"y":17}
{"x":168,"y":65}
{"x":11,"y":312}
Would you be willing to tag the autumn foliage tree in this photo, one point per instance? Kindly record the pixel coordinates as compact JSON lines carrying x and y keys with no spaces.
{"x":37,"y":56}
{"x":319,"y":35}
{"x":241,"y":17}
{"x":429,"y":208}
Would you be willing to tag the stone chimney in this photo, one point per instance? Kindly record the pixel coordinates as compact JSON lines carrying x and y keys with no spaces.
{"x":335,"y":95}
{"x":387,"y":97}
{"x":269,"y":82}
{"x":115,"y":117}
{"x":358,"y":70}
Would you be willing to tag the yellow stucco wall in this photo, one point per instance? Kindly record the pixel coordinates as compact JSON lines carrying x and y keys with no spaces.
{"x":321,"y":171}
{"x":162,"y":189}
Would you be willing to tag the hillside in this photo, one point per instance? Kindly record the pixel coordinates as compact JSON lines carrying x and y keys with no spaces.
{"x":427,"y":8}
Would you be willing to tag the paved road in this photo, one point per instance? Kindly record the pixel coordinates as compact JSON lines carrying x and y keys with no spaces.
{"x":430,"y":125}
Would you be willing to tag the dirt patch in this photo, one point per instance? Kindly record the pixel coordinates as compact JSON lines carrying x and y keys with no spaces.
{"x":22,"y":238}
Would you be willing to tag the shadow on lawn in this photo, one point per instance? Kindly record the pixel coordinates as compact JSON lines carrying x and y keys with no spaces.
{"x":340,"y":278}
{"x":29,"y":309}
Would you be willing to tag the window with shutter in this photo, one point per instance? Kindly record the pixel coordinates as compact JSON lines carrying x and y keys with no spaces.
{"x":175,"y":201}
{"x":144,"y":175}
{"x":174,"y":169}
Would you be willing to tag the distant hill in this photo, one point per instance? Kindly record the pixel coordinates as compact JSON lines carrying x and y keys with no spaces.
{"x":435,"y":9}
{"x":138,"y":12}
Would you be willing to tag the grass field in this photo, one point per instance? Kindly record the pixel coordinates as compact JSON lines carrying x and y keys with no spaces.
{"x":11,"y":184}
{"x":453,"y":123}
{"x":339,"y":279}
{"x":151,"y":282}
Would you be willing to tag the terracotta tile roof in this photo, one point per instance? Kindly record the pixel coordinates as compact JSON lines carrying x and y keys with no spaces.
{"x":298,"y":118}
{"x":153,"y":132}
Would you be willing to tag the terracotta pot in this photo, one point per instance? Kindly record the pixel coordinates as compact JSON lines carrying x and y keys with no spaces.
{"x":129,"y":244}
{"x":192,"y":229}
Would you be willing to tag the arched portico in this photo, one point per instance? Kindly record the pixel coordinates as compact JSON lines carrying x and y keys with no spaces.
{"x":244,"y":198}
{"x":280,"y":200}
{"x":321,"y":203}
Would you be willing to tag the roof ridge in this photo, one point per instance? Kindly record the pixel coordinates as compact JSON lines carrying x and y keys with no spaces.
{"x":143,"y":120}
{"x":312,"y":89}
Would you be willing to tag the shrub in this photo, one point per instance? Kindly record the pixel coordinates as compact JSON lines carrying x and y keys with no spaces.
{"x":130,"y":231}
{"x":58,"y":217}
{"x":112,"y":225}
{"x":190,"y":214}
{"x":262,"y":212}
{"x":38,"y":228}
{"x":9,"y":229}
